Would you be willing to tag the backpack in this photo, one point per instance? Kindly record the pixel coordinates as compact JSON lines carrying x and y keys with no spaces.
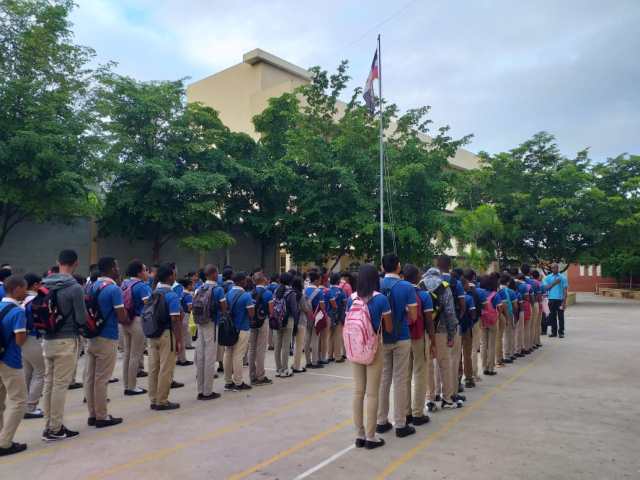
{"x":435,"y":295}
{"x":316,"y":317}
{"x":227,"y":331}
{"x":95,"y":320}
{"x":280,"y":313}
{"x":360,"y":340}
{"x":5,"y":311}
{"x":388,"y":293}
{"x":129,"y":303}
{"x":262,"y":310}
{"x":509,"y":305}
{"x":338,"y":315}
{"x":452,"y":286}
{"x":155,"y":315}
{"x":226,"y":286}
{"x":44,"y":310}
{"x":489,"y":313}
{"x":202,"y":307}
{"x":416,"y":330}
{"x":476,"y":302}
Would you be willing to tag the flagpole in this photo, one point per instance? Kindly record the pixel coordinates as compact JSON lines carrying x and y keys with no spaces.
{"x":381,"y":153}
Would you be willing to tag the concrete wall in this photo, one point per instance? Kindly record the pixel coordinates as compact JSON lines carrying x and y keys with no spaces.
{"x":35,"y":247}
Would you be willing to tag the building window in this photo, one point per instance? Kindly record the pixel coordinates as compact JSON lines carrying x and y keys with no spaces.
{"x":582,"y":270}
{"x":599,"y":271}
{"x":590,"y":271}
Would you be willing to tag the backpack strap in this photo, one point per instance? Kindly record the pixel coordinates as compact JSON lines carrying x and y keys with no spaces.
{"x":5,"y":311}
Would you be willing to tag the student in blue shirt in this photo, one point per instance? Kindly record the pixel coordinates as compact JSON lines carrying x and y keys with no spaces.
{"x":314,"y":294}
{"x":556,"y":286}
{"x":396,"y":347}
{"x":337,"y":306}
{"x":258,"y":337}
{"x":186,"y":301}
{"x":133,"y":336}
{"x":102,"y":350}
{"x":13,"y":328}
{"x":32,"y":357}
{"x":242,"y":310}
{"x":4,"y":274}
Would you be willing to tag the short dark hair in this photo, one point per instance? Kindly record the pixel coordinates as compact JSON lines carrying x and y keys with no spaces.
{"x":275,"y":278}
{"x":334,"y":279}
{"x":164,"y":272}
{"x":4,"y":274}
{"x":535,"y":274}
{"x":13,"y":282}
{"x":314,"y":276}
{"x":368,"y":280}
{"x":444,"y":261}
{"x":227,"y":272}
{"x":239,"y":277}
{"x":210,"y":269}
{"x":185,"y":282}
{"x":32,"y":279}
{"x":390,"y":262}
{"x":54,"y":269}
{"x":411,"y":273}
{"x":469,"y":274}
{"x":505,"y":278}
{"x":489,"y":283}
{"x":525,"y":268}
{"x":135,"y":268}
{"x":67,"y":257}
{"x":106,"y":265}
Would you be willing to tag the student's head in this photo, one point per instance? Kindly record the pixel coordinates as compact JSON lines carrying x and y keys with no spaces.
{"x":525,"y":268}
{"x":34,"y":281}
{"x":275,"y":278}
{"x":314,"y":277}
{"x":174,"y":267}
{"x":137,"y":269}
{"x":444,"y":263}
{"x":4,"y":274}
{"x":505,"y":278}
{"x":68,"y":261}
{"x":52,"y":270}
{"x":193,"y":276}
{"x":297,"y":283}
{"x":489,"y":283}
{"x":368,"y":281}
{"x":240,"y":279}
{"x":79,"y":279}
{"x":555,"y":268}
{"x":6,"y":266}
{"x":285,"y":278}
{"x":256,"y":270}
{"x":108,"y":267}
{"x":260,"y":278}
{"x":153,"y":270}
{"x":93,"y":272}
{"x":227,"y":272}
{"x":390,"y":263}
{"x":165,"y":274}
{"x":411,"y":273}
{"x":334,"y":279}
{"x":186,"y":283}
{"x":535,"y":274}
{"x":15,"y":287}
{"x":201,"y":275}
{"x":211,"y":272}
{"x":514,"y":271}
{"x":469,"y":274}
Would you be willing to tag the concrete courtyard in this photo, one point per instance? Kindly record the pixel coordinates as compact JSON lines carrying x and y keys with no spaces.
{"x":571,"y":410}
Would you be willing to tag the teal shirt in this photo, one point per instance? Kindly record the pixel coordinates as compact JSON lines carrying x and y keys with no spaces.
{"x":557,"y":291}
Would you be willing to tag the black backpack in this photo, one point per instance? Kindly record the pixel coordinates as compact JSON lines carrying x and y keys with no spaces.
{"x":227,"y":331}
{"x":3,"y":314}
{"x":155,"y":315}
{"x":262,"y":310}
{"x":47,"y":317}
{"x":387,"y":292}
{"x":95,"y":321}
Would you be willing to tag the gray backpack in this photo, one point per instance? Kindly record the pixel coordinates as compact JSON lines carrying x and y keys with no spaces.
{"x":202,"y":308}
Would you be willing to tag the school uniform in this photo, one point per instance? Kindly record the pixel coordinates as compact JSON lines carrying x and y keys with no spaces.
{"x":419,"y":358}
{"x":466,"y":332}
{"x":32,"y":359}
{"x":132,"y":334}
{"x":239,"y":302}
{"x":336,"y":345}
{"x":556,"y":296}
{"x":186,"y":301}
{"x":315,"y":296}
{"x":13,"y":389}
{"x":207,"y":344}
{"x":456,"y":350}
{"x":259,"y":336}
{"x":505,"y":325}
{"x":488,"y":336}
{"x":285,"y":333}
{"x":476,"y":333}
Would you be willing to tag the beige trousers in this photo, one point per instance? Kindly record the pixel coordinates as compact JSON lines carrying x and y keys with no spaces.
{"x":367,"y":383}
{"x":500,"y":328}
{"x":336,"y":350}
{"x":206,"y":348}
{"x":475,"y":347}
{"x":519,"y":334}
{"x":162,"y":363}
{"x":456,"y":358}
{"x":299,"y":344}
{"x":33,"y":366}
{"x":443,"y":359}
{"x":488,"y":348}
{"x":233,"y":359}
{"x":312,"y":345}
{"x":417,"y":372}
{"x":281,"y":348}
{"x":186,"y":337}
{"x":430,"y":371}
{"x":13,"y":402}
{"x":508,"y":338}
{"x":325,"y":342}
{"x":102,"y":354}
{"x":258,"y":350}
{"x":60,"y":357}
{"x":395,"y":369}
{"x":133,"y":337}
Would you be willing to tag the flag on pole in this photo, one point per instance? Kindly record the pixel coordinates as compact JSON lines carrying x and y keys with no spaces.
{"x":369,"y":95}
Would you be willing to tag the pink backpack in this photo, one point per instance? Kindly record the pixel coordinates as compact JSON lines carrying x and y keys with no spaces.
{"x":489,"y":313}
{"x":360,"y":340}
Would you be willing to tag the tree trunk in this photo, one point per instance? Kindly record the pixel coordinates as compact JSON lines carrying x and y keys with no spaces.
{"x":263,"y":249}
{"x":156,"y":250}
{"x":337,"y":260}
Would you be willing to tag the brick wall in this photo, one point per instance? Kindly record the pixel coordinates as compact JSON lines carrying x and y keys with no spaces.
{"x":585,"y":278}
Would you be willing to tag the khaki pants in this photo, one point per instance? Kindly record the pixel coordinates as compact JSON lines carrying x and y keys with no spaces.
{"x":257,"y":351}
{"x":312,"y":345}
{"x":395,"y":369}
{"x":101,"y":359}
{"x":430,"y":371}
{"x":281,"y":350}
{"x":33,"y":363}
{"x":475,"y":349}
{"x":60,"y":357}
{"x":519,"y":334}
{"x":500,"y":327}
{"x":14,"y":389}
{"x":367,"y":382}
{"x":81,"y":350}
{"x":537,"y":324}
{"x":417,"y":371}
{"x":299,"y":343}
{"x":508,"y":338}
{"x":186,"y":337}
{"x":133,"y":351}
{"x":336,"y":350}
{"x":456,"y":357}
{"x":467,"y":354}
{"x":325,"y":342}
{"x":488,"y":348}
{"x":206,"y":348}
{"x":233,"y":359}
{"x":162,"y":363}
{"x":443,"y":359}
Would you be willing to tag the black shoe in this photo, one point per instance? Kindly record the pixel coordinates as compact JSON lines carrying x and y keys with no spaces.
{"x":243,"y":386}
{"x":408,"y":419}
{"x":460,"y":388}
{"x":314,"y":367}
{"x":553,"y":335}
{"x":438,"y":398}
{"x":486,"y":372}
{"x":62,"y":434}
{"x":561,"y":335}
{"x":186,"y":363}
{"x":211,"y":396}
{"x":153,"y":406}
{"x":423,"y":420}
{"x":432,"y":406}
{"x":459,"y":398}
{"x":146,"y":352}
{"x":91,"y":421}
{"x":137,"y":391}
{"x":405,"y":431}
{"x":520,"y":355}
{"x":230,"y":387}
{"x":220,"y":369}
{"x":341,"y":360}
{"x":448,"y":405}
{"x":323,"y":362}
{"x":75,"y":386}
{"x":190,"y":348}
{"x":175,"y":384}
{"x":469,"y":383}
{"x":108,"y":422}
{"x":370,"y":445}
{"x":507,"y":360}
{"x":384,"y":428}
{"x":142,"y":374}
{"x":360,"y":442}
{"x":168,"y":406}
{"x":114,"y":380}
{"x":37,"y":413}
{"x":260,"y":383}
{"x":492,"y":373}
{"x":271,"y":348}
{"x":14,"y":448}
{"x":302,"y":370}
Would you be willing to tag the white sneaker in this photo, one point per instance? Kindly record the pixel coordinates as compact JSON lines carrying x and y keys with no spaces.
{"x":279,"y":374}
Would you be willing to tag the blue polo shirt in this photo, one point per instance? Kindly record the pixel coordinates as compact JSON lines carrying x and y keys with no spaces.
{"x":267,"y":297}
{"x":524,"y":289}
{"x":378,"y":305}
{"x":469,"y":314}
{"x":535,"y":287}
{"x":273,"y":286}
{"x":557,"y":291}
{"x":171,"y":299}
{"x":186,"y":301}
{"x":401,"y":294}
{"x":140,"y":292}
{"x":110,"y":298}
{"x":240,"y":307}
{"x":315,"y":298}
{"x":2,"y":292}
{"x":457,"y":288}
{"x":482,"y":296}
{"x":334,"y":293}
{"x":15,"y":321}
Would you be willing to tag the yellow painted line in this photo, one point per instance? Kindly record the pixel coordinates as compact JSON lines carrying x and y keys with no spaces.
{"x":467,"y":410}
{"x":234,"y":427}
{"x":295,"y":448}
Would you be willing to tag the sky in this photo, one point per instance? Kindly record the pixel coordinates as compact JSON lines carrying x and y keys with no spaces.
{"x":500,"y":70}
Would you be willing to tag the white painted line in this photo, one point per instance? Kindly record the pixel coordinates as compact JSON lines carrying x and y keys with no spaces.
{"x":317,"y":374}
{"x":323,"y":464}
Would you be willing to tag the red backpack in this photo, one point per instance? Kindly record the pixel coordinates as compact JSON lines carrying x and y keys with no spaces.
{"x":129,"y":303}
{"x":95,"y":320}
{"x":416,"y":329}
{"x":489,"y":313}
{"x":44,"y":310}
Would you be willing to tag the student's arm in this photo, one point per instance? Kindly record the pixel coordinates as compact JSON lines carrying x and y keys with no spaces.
{"x":251,"y":309}
{"x":334,"y":304}
{"x":118,"y":304}
{"x":387,"y":321}
{"x":429,"y":323}
{"x":79,"y":308}
{"x":175,"y":313}
{"x":223,"y":302}
{"x":121,"y":313}
{"x":21,"y":338}
{"x":412,"y":305}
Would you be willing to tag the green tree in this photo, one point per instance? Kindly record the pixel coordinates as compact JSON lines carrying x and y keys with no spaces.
{"x":48,"y":150}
